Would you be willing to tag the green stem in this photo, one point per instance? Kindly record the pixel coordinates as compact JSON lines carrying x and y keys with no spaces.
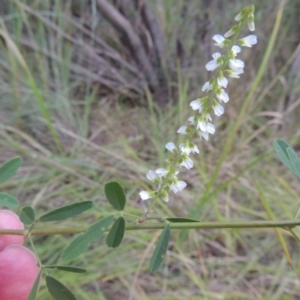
{"x":284,"y":224}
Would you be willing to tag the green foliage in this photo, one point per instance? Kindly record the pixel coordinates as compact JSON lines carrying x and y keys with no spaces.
{"x":116,"y":233}
{"x":27,"y":215}
{"x":34,"y":290}
{"x":8,"y":200}
{"x":160,"y":249}
{"x":65,"y":268}
{"x":181,"y":220}
{"x":81,"y":242}
{"x":9,"y":169}
{"x":288,"y":156}
{"x":66,"y":212}
{"x":115,"y":195}
{"x":57,"y":290}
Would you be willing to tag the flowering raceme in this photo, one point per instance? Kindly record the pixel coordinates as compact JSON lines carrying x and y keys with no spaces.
{"x":201,"y":122}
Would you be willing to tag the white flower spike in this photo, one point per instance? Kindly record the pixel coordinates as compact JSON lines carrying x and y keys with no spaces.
{"x":201,"y":124}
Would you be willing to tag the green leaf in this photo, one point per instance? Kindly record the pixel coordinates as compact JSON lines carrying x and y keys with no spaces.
{"x":66,"y":268}
{"x":294,"y":159}
{"x":27,"y":215}
{"x":181,"y":220}
{"x":115,"y":195}
{"x":9,"y":168}
{"x":66,"y":212}
{"x":81,"y":242}
{"x":281,"y":148}
{"x":8,"y":200}
{"x":160,"y":249}
{"x":35,"y":288}
{"x":57,"y":290}
{"x":116,"y":233}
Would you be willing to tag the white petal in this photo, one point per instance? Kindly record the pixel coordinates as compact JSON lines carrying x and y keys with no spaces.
{"x":182,"y":130}
{"x":235,"y":50}
{"x":218,"y":109}
{"x":166,"y":198}
{"x":179,"y":186}
{"x":195,"y":149}
{"x":222,"y":96}
{"x":236,"y":64}
{"x":188,"y":163}
{"x":222,"y":82}
{"x":219,"y":40}
{"x":206,"y":87}
{"x":216,"y":55}
{"x":236,"y":73}
{"x":161,"y":172}
{"x":191,"y":120}
{"x":151,"y":175}
{"x":211,"y":128}
{"x":207,"y":117}
{"x":251,"y":25}
{"x":239,"y":17}
{"x":170,"y":146}
{"x":229,"y":33}
{"x":196,"y":104}
{"x":204,"y":135}
{"x":145,"y":195}
{"x":211,"y":65}
{"x":202,"y":126}
{"x":249,"y":40}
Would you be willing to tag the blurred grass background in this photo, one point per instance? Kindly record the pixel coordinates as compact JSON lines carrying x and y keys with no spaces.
{"x":78,"y":123}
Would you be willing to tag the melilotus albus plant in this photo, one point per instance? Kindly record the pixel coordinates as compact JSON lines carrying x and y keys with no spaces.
{"x":22,"y":272}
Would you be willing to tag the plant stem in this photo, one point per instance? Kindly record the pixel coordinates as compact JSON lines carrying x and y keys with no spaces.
{"x":284,"y":224}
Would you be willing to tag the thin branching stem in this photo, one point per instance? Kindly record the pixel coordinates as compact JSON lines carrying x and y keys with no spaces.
{"x":284,"y":224}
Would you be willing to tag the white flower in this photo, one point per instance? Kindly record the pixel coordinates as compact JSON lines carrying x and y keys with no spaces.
{"x":207,"y":86}
{"x":235,"y":50}
{"x":182,"y":130}
{"x":239,"y":17}
{"x":235,"y":73}
{"x":188,"y":148}
{"x":251,"y":25}
{"x":177,"y":186}
{"x":218,"y":109}
{"x":161,"y":172}
{"x":171,"y":147}
{"x":215,"y":63}
{"x":204,"y":135}
{"x":236,"y":64}
{"x":145,"y":195}
{"x":165,"y":198}
{"x":206,"y":127}
{"x":219,"y":40}
{"x":186,"y":162}
{"x":196,"y":104}
{"x":202,"y":125}
{"x":248,"y":41}
{"x":152,"y":176}
{"x":210,"y":128}
{"x":207,"y":117}
{"x":222,"y":81}
{"x":192,"y":120}
{"x":222,"y":95}
{"x":229,"y":33}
